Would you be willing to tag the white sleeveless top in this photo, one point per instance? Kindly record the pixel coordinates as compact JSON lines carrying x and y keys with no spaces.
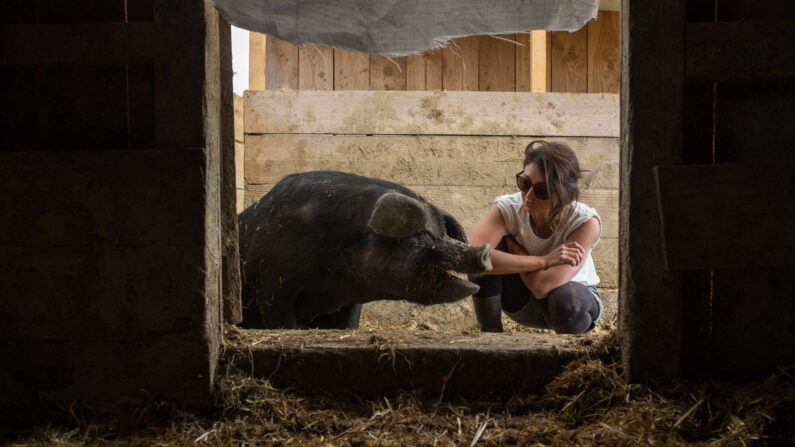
{"x":517,"y":221}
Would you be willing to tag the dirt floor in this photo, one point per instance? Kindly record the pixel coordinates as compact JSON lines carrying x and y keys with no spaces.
{"x":588,"y":404}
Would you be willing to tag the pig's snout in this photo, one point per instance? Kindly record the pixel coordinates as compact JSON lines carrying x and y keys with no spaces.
{"x":476,"y":259}
{"x":463,"y":258}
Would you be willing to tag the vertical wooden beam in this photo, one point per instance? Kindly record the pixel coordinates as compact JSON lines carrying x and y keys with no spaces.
{"x":650,"y":298}
{"x":256,"y":61}
{"x":569,"y":61}
{"x":387,"y":73}
{"x":415,"y":72}
{"x":524,"y":62}
{"x":230,"y":256}
{"x":540,"y":42}
{"x":281,"y":65}
{"x":351,"y":70}
{"x":315,"y":68}
{"x":603,"y":57}
{"x":460,"y":64}
{"x":424,"y":71}
{"x":497,"y":64}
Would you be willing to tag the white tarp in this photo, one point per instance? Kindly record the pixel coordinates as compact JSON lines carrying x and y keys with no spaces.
{"x":400,"y":27}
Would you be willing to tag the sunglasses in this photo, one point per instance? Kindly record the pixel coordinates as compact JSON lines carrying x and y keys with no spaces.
{"x":524,"y":184}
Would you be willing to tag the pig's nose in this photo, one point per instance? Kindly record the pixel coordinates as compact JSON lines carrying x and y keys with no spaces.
{"x":485,"y":257}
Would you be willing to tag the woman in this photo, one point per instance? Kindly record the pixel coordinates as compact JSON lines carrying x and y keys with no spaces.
{"x":543,"y":273}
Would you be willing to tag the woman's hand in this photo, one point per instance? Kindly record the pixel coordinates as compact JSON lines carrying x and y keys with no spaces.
{"x":569,"y":253}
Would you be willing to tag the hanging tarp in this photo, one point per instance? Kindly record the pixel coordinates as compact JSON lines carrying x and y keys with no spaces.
{"x":400,"y":27}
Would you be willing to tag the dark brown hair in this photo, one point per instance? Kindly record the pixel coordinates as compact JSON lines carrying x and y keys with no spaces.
{"x":561,"y":170}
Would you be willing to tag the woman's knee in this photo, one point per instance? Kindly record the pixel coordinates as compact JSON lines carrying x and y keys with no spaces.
{"x":570,"y":308}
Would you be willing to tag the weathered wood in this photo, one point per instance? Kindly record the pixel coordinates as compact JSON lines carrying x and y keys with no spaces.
{"x":497,"y":64}
{"x":727,"y":215}
{"x":78,"y":44}
{"x":315,"y":68}
{"x":351,"y":70}
{"x":256,"y":61}
{"x":651,"y":134}
{"x":603,"y":57}
{"x":238,"y":111}
{"x":424,"y":71}
{"x":598,"y":156}
{"x":524,"y":62}
{"x":387,"y":73}
{"x":441,"y":365}
{"x":281,"y":64}
{"x":447,"y":113}
{"x":460,"y":64}
{"x":230,"y":257}
{"x":541,"y":48}
{"x":741,"y":51}
{"x":569,"y":61}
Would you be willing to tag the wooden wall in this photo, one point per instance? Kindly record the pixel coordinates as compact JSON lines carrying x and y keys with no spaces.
{"x":538,"y":61}
{"x":457,"y":149}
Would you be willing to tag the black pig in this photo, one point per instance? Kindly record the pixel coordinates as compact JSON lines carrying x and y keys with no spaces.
{"x":320,"y":244}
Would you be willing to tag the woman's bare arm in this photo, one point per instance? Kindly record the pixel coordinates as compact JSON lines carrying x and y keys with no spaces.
{"x":544,"y":281}
{"x":489,"y":230}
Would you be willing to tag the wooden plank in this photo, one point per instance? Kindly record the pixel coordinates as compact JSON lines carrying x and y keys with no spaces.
{"x":460,"y":64}
{"x":727,"y":215}
{"x":78,"y":44}
{"x":445,"y":113}
{"x":387,"y":73}
{"x":424,"y":71}
{"x":281,"y":64}
{"x":541,"y":49}
{"x":569,"y":61}
{"x":524,"y":62}
{"x":256,"y":61}
{"x":415,"y":72}
{"x":603,"y":55}
{"x":351,"y":70}
{"x":741,"y":51}
{"x":315,"y":68}
{"x":651,"y":298}
{"x":594,"y":154}
{"x":238,"y":107}
{"x":497,"y":64}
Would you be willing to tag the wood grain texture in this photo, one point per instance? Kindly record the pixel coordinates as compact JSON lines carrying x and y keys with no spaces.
{"x":315,"y":68}
{"x":741,"y":51}
{"x":541,"y":49}
{"x":524,"y":62}
{"x":351,"y":70}
{"x":281,"y":64}
{"x":424,"y":71}
{"x":387,"y":73}
{"x":603,"y":57}
{"x":497,"y":64}
{"x":569,"y":61}
{"x":446,"y":113}
{"x":256,"y":61}
{"x":460,"y":64}
{"x":651,"y":298}
{"x":713,"y":219}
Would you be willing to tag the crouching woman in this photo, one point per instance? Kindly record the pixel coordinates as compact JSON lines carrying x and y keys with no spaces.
{"x":543,"y":275}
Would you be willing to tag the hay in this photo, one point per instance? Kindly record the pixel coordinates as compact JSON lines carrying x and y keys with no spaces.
{"x":588,"y":404}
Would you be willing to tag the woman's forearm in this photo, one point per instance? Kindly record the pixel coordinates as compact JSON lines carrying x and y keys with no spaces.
{"x":504,"y":263}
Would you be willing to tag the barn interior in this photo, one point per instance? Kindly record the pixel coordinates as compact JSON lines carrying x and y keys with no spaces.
{"x":125,"y":158}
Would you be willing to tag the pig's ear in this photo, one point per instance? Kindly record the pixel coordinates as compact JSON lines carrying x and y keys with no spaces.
{"x":453,"y":228}
{"x":398,"y":215}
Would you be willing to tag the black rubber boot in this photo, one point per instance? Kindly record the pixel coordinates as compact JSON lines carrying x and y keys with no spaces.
{"x":488,"y":311}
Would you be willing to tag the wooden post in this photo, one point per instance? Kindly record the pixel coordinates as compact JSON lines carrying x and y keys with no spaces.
{"x":651,"y":134}
{"x":540,"y":42}
{"x":256,"y":61}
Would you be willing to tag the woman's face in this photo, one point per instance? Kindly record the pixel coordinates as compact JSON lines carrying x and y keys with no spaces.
{"x":532,"y":203}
